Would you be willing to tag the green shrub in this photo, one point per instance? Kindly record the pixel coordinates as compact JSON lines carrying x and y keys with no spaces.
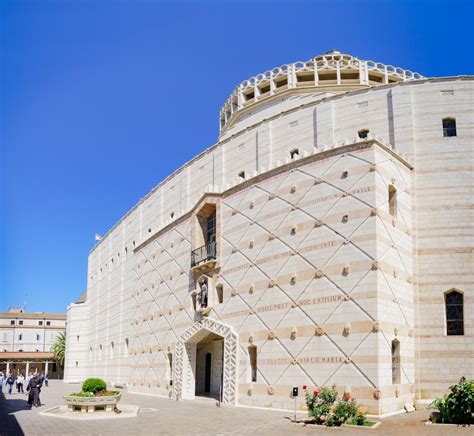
{"x":342,"y":411}
{"x":441,"y":406}
{"x":82,"y":394}
{"x":328,"y":410}
{"x":360,"y":419}
{"x":457,"y":407}
{"x":94,"y":385}
{"x":320,"y":402}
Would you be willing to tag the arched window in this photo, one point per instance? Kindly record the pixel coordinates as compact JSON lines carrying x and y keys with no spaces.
{"x":454,"y":313}
{"x":220,"y":293}
{"x":395,"y":362}
{"x":294,"y":153}
{"x":392,"y":200}
{"x":170,"y":367}
{"x":449,"y":127}
{"x":253,"y":362}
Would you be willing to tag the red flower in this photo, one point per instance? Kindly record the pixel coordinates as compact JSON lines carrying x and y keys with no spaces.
{"x":315,"y":393}
{"x":347,"y":396}
{"x":305,"y":387}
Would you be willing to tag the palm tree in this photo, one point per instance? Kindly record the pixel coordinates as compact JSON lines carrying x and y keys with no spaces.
{"x":59,"y":348}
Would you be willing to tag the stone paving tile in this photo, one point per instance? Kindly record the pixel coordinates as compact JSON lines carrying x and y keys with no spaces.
{"x":182,"y":418}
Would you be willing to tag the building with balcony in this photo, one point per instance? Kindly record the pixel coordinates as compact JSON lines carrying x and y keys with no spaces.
{"x":326,"y":238}
{"x":26,"y":340}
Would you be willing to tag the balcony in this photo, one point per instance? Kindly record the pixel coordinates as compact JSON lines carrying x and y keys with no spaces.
{"x":203,"y":255}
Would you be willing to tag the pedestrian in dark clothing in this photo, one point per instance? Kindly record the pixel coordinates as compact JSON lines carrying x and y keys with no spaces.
{"x":10,"y":381}
{"x":34,"y":389}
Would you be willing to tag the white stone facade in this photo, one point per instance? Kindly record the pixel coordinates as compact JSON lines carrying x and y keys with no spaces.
{"x":26,"y":340}
{"x":312,"y":264}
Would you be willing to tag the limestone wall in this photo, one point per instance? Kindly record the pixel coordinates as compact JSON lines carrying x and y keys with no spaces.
{"x":139,"y":275}
{"x":76,"y":367}
{"x":328,"y":219}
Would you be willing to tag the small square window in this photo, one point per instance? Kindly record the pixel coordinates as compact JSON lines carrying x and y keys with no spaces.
{"x":449,"y":127}
{"x":48,"y":322}
{"x":294,"y":153}
{"x":12,"y":322}
{"x":40,"y":322}
{"x":363,"y":134}
{"x":20,"y":322}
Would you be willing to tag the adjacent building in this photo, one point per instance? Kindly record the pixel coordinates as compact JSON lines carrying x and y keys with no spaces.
{"x":26,"y":340}
{"x":326,"y":238}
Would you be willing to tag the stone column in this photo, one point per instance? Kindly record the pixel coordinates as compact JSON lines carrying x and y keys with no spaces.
{"x":46,"y":368}
{"x":8,"y":367}
{"x":27,"y":371}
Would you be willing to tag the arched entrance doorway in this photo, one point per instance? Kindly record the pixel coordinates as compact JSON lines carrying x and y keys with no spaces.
{"x":206,"y":359}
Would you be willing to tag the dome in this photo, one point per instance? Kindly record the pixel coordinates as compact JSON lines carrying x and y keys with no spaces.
{"x":331,"y":72}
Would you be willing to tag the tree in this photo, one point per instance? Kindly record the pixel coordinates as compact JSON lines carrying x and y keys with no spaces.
{"x":59,"y":348}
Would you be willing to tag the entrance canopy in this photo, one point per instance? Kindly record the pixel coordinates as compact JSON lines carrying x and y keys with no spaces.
{"x":185,"y":359}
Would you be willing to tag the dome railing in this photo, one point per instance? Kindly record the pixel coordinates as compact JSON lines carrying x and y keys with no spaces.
{"x":331,"y":69}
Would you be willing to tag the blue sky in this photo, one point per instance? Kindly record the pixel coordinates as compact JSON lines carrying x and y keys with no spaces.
{"x":100,"y":100}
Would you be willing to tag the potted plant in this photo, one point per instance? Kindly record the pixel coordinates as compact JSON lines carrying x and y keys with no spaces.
{"x":94,"y":396}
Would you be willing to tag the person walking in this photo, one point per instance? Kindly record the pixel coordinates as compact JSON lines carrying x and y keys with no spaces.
{"x":34,"y":389}
{"x":19,"y":383}
{"x":10,"y":381}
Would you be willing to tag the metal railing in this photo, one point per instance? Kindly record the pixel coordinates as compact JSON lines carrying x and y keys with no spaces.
{"x":203,"y":254}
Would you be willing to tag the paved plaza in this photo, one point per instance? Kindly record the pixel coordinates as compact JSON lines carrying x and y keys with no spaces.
{"x":161,"y":416}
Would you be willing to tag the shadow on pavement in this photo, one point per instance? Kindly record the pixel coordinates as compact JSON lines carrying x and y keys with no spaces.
{"x":8,"y":423}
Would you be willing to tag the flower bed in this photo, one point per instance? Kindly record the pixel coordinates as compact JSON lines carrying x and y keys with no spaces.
{"x":327,"y":409}
{"x":93,"y":396}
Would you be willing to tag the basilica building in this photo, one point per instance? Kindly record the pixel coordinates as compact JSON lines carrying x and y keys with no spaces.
{"x":326,"y":238}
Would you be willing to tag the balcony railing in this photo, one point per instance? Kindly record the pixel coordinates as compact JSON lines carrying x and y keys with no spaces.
{"x":203,"y":254}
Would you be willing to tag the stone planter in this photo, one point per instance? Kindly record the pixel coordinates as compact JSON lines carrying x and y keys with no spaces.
{"x":92,"y":404}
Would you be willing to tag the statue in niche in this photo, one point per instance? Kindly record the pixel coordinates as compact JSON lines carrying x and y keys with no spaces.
{"x":203,"y":294}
